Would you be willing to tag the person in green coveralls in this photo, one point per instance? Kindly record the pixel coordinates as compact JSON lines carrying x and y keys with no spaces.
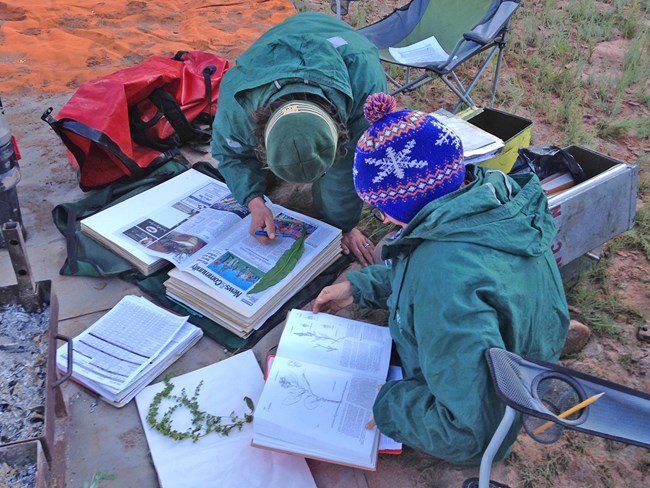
{"x":471,"y":270}
{"x":293,"y":104}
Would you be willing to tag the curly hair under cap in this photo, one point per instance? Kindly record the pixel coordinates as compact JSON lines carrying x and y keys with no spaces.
{"x":262,"y":115}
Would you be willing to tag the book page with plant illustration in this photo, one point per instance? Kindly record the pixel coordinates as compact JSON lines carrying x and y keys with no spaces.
{"x":321,"y":387}
{"x":336,"y":342}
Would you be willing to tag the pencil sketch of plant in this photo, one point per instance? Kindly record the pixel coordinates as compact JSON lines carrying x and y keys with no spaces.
{"x":299,"y":389}
{"x":321,"y":340}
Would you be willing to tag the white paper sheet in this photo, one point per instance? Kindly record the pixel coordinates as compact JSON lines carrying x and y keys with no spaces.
{"x":215,"y":460}
{"x":427,"y":51}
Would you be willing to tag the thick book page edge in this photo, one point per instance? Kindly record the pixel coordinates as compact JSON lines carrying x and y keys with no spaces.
{"x":388,"y":445}
{"x":109,"y":220}
{"x":195,"y":294}
{"x":147,"y":265}
{"x":557,"y":183}
{"x":372,"y":466}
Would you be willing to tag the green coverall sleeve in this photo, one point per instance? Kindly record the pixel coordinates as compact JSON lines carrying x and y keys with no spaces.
{"x":447,"y":407}
{"x":371,"y":286}
{"x":335,"y":196}
{"x":234,"y":151}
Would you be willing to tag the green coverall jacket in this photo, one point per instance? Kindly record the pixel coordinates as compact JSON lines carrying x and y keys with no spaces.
{"x":473,"y":270}
{"x":327,"y":57}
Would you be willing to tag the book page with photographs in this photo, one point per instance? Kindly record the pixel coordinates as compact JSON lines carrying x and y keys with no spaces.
{"x":151,"y":215}
{"x":185,"y":225}
{"x":233,"y":264}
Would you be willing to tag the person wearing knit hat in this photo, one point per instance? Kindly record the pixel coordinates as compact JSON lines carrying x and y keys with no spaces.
{"x":300,"y":139}
{"x":405,"y":159}
{"x":292,"y":108}
{"x":471,"y":269}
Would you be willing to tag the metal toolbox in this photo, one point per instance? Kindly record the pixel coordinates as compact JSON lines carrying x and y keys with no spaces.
{"x":598,"y":209}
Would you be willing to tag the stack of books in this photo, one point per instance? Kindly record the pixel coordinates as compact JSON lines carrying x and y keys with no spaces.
{"x":194,"y":222}
{"x":126,"y":349}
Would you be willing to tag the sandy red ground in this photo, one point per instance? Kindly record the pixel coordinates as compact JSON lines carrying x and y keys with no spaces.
{"x":56,"y":45}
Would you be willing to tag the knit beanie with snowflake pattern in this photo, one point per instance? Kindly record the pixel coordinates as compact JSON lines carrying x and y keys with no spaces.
{"x":405,"y":159}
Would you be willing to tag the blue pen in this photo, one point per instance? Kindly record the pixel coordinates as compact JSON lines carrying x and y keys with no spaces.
{"x":277,"y":234}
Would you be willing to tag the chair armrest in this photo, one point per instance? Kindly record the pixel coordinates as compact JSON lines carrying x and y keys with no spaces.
{"x":485,"y":32}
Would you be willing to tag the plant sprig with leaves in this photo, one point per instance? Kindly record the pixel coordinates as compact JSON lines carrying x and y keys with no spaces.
{"x":203,"y":423}
{"x":284,"y":265}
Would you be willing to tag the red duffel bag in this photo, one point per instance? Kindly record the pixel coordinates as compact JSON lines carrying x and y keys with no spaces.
{"x":126,"y":124}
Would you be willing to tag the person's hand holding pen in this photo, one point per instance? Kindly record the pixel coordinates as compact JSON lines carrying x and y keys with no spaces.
{"x":277,"y":234}
{"x":261,"y":220}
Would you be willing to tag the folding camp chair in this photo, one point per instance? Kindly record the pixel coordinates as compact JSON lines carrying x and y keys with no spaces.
{"x":439,"y":36}
{"x":340,"y":7}
{"x":550,"y":396}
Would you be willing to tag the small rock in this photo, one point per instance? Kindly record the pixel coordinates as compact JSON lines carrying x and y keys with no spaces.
{"x":577,"y":337}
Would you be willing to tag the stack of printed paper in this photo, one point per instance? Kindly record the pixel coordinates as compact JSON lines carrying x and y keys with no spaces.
{"x":127,"y":348}
{"x":478,"y":144}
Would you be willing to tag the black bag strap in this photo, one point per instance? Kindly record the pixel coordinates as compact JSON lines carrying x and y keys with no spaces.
{"x":168,"y":105}
{"x":207,"y":73}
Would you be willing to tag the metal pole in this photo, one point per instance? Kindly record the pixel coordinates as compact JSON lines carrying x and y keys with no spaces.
{"x":9,"y":177}
{"x":493,"y":447}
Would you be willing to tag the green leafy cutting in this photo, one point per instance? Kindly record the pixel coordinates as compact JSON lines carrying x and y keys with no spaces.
{"x":203,"y":423}
{"x":97,"y":478}
{"x":284,"y":265}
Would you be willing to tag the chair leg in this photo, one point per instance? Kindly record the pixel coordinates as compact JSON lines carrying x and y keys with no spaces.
{"x":409,"y":85}
{"x":457,"y":87}
{"x":493,"y":447}
{"x":465,"y":98}
{"x":497,"y":70}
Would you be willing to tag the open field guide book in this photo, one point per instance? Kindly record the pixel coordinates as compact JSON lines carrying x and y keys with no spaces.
{"x":194,"y":222}
{"x":126,"y":349}
{"x":321,"y":387}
